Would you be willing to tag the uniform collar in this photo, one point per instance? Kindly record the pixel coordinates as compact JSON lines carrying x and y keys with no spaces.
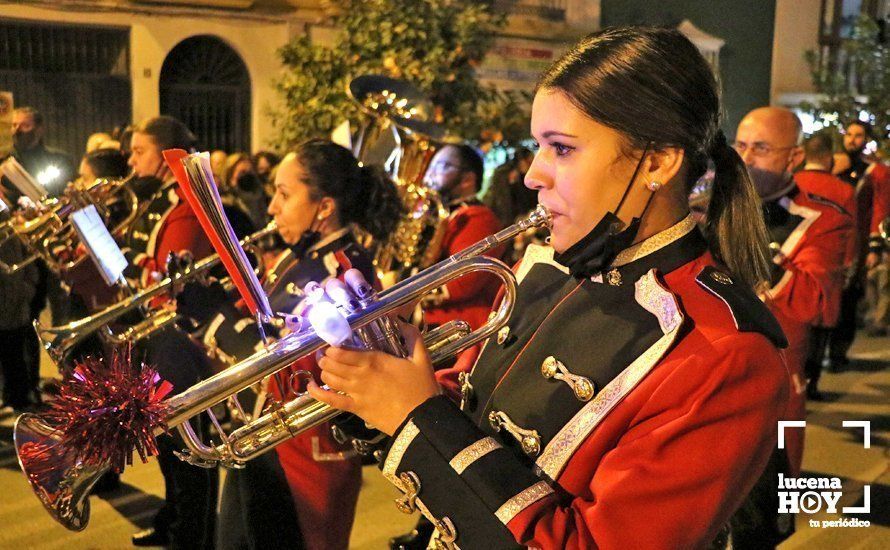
{"x":665,"y":251}
{"x":335,"y":236}
{"x":463,"y":201}
{"x":815,"y":167}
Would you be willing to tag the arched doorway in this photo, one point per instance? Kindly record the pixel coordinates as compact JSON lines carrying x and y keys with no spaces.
{"x":205,"y":84}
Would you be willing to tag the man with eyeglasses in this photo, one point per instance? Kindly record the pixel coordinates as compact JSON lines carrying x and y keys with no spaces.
{"x":456,"y":174}
{"x":808,"y":236}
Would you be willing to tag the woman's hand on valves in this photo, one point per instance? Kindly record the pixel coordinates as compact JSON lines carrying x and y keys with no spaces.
{"x":380,"y":388}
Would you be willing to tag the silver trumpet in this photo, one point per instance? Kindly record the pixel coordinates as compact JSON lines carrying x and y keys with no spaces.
{"x":63,"y":492}
{"x":58,"y":341}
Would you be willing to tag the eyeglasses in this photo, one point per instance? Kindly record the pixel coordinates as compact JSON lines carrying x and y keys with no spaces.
{"x":443,"y":166}
{"x":758,"y":148}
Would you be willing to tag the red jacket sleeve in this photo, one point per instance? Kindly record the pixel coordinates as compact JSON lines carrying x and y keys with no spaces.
{"x":181,"y":231}
{"x":465,"y":229}
{"x":671,"y":481}
{"x":660,"y":471}
{"x":809,"y":290}
{"x":880,"y":181}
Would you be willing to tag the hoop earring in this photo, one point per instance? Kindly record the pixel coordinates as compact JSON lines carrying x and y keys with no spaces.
{"x":654,"y":185}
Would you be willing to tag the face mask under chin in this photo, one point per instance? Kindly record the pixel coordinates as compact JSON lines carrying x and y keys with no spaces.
{"x":595,"y":251}
{"x":23,"y":141}
{"x":768,"y":184}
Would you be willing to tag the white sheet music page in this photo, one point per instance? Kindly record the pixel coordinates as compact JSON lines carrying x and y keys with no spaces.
{"x":99,"y":244}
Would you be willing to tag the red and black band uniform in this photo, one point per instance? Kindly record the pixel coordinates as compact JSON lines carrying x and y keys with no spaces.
{"x":633,"y":409}
{"x":467,"y":298}
{"x":304,"y":493}
{"x":167,"y":224}
{"x":811,"y":233}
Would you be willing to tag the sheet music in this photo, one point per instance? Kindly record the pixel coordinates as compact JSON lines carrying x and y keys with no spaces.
{"x":22,"y":180}
{"x":99,"y":244}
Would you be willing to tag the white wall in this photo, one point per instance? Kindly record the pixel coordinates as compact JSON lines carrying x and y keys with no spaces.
{"x":796,"y":31}
{"x":153,"y":36}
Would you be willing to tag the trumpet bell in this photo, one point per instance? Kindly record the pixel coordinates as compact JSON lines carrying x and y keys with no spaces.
{"x":61,"y":484}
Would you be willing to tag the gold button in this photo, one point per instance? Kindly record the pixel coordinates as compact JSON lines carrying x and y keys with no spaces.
{"x":721,"y":277}
{"x":466,"y":389}
{"x":549,"y":367}
{"x":408,"y":502}
{"x":503,"y":334}
{"x":293,"y":289}
{"x":446,"y":532}
{"x":581,"y":386}
{"x":613,"y":278}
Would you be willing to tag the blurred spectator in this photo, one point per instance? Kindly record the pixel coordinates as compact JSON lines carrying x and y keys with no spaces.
{"x":241,"y":207}
{"x":218,"y":166}
{"x":264,"y":162}
{"x":507,"y":195}
{"x":53,"y":169}
{"x":16,"y":292}
{"x":98,"y":141}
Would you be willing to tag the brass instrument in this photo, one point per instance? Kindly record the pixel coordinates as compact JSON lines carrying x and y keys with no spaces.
{"x":51,"y":237}
{"x":63,"y":492}
{"x":58,"y":341}
{"x":401,"y":126}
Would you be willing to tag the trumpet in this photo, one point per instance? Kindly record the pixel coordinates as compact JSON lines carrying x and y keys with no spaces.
{"x":49,"y":235}
{"x":63,"y":493}
{"x":58,"y":341}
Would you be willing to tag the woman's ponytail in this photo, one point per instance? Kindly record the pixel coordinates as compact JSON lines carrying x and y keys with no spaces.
{"x":735,"y":229}
{"x":380,"y":207}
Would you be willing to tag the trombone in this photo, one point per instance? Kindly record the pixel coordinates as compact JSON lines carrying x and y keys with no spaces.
{"x":58,"y":341}
{"x":64,"y":491}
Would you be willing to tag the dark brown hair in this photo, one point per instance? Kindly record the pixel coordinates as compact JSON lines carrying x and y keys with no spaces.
{"x":167,"y":133}
{"x":654,"y":87}
{"x":364,"y":194}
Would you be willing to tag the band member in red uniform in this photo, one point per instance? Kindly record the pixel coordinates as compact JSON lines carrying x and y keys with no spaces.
{"x":816,"y":178}
{"x":456,"y":173}
{"x":809,"y":236}
{"x":871,"y":181}
{"x":166,"y":224}
{"x":631,"y":401}
{"x":817,"y":181}
{"x":302,"y":495}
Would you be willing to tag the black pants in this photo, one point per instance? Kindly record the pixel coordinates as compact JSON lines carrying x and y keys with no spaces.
{"x":757,"y":525}
{"x":18,"y":385}
{"x":842,"y":335}
{"x":257,"y":510}
{"x":819,"y":340}
{"x":189,"y":512}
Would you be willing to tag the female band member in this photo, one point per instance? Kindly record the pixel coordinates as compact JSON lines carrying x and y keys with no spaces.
{"x":165,"y":224}
{"x":631,"y":401}
{"x":304,"y":494}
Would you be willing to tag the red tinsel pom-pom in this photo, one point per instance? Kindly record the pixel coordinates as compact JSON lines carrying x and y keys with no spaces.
{"x":107,"y":409}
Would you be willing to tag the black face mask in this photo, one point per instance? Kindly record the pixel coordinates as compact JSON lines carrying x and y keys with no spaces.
{"x":307,"y":240}
{"x":596,"y":250}
{"x":24,"y":141}
{"x":770,"y":185}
